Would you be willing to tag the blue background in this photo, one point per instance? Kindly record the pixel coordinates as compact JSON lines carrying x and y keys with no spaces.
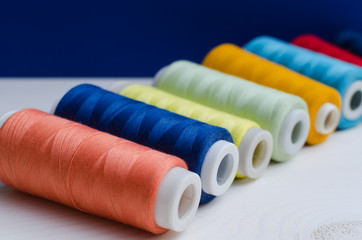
{"x":136,"y":38}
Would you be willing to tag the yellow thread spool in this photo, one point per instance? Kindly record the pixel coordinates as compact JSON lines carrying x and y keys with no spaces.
{"x":324,"y":102}
{"x":254,"y":144}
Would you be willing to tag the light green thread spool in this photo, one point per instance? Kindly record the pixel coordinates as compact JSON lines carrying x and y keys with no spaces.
{"x":285,"y":116}
{"x":254,"y":144}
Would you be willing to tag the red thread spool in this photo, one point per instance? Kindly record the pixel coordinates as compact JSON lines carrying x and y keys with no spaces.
{"x":317,"y":44}
{"x":96,"y":172}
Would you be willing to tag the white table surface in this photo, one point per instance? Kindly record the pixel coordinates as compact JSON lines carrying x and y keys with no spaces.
{"x":315,"y":195}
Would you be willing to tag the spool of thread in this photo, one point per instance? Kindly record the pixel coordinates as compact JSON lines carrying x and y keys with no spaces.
{"x":207,"y":150}
{"x":343,"y":76}
{"x":96,"y":172}
{"x":351,"y":41}
{"x":283,"y":115}
{"x":317,"y":44}
{"x":323,"y":101}
{"x":254,"y":144}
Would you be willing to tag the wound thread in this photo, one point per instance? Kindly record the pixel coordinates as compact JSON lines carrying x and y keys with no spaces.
{"x":233,"y":60}
{"x":346,"y":78}
{"x":156,"y":128}
{"x":86,"y":169}
{"x":267,"y":107}
{"x":250,"y":164}
{"x":317,"y":44}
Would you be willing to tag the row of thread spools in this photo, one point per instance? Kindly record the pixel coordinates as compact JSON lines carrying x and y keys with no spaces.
{"x":123,"y":154}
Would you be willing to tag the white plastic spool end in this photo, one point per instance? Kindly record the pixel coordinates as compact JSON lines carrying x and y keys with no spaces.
{"x":294,"y":131}
{"x":327,"y":118}
{"x":6,"y":116}
{"x":120,"y":85}
{"x":55,"y":105}
{"x":158,"y":75}
{"x":177,"y":199}
{"x":352,"y":101}
{"x":219,"y":168}
{"x":255,"y":152}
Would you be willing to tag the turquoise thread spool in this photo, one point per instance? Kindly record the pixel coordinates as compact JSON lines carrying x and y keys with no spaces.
{"x":343,"y":76}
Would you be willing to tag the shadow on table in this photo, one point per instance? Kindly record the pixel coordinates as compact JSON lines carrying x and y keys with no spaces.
{"x":34,"y":214}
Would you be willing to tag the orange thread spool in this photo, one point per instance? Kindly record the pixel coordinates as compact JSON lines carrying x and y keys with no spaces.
{"x":86,"y":169}
{"x":233,"y":60}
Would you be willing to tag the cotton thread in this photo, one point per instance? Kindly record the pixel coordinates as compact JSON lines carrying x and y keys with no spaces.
{"x":282,"y":114}
{"x":344,"y":77}
{"x":351,"y":41}
{"x":156,"y":128}
{"x":252,"y":161}
{"x":83,"y":168}
{"x":317,"y":44}
{"x":323,"y":101}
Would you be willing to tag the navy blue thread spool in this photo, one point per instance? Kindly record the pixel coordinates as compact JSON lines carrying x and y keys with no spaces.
{"x":351,"y":41}
{"x":343,"y":76}
{"x":207,"y":150}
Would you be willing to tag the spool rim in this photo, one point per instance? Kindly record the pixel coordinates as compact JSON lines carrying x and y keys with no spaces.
{"x":177,"y":199}
{"x":55,"y":105}
{"x":119,"y":86}
{"x":348,"y":111}
{"x":6,"y":116}
{"x":219,"y":168}
{"x":327,"y":118}
{"x":255,"y":152}
{"x":294,"y":131}
{"x":159,"y":74}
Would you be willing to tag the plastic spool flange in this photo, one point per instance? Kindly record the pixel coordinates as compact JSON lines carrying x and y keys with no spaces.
{"x":6,"y":116}
{"x":327,"y":118}
{"x":219,"y":168}
{"x":158,"y":75}
{"x":352,"y":101}
{"x":255,"y":152}
{"x":119,"y":86}
{"x":177,"y":199}
{"x":294,"y":131}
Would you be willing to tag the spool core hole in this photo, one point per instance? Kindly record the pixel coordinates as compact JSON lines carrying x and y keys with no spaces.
{"x":259,"y":154}
{"x":225,"y":169}
{"x":296,"y":132}
{"x":356,"y":100}
{"x":330,"y":121}
{"x":186,"y":201}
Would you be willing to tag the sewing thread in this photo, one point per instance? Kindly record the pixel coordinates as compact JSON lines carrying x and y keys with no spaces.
{"x":283,"y":115}
{"x":191,"y":140}
{"x":95,"y":172}
{"x":343,"y":76}
{"x":323,"y":101}
{"x":254,"y":144}
{"x":317,"y":44}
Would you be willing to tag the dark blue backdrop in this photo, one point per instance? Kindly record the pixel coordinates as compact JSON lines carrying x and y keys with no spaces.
{"x":136,"y":38}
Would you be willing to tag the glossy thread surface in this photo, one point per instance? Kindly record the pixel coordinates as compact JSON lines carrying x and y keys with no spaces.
{"x":330,"y":71}
{"x":157,"y":128}
{"x":266,"y":106}
{"x":235,"y":125}
{"x":83,"y":168}
{"x":317,"y":44}
{"x":233,"y":60}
